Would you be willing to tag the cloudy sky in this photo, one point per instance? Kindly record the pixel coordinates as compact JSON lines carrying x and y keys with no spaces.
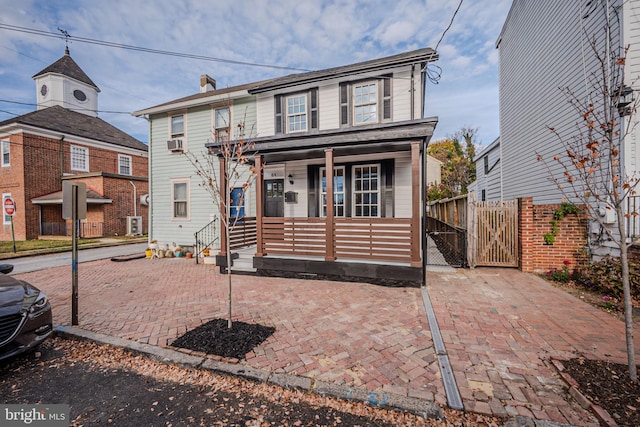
{"x":277,"y":36}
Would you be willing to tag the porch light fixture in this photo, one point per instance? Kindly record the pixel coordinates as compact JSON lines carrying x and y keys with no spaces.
{"x":290,"y":179}
{"x":623,"y":97}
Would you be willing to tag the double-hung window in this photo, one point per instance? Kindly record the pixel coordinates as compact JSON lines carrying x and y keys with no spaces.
{"x":6,"y":153}
{"x":124,"y":164}
{"x":366,"y":190}
{"x":221,"y":124}
{"x":365,"y":102}
{"x":338,"y":191}
{"x":177,"y":126}
{"x":296,"y":112}
{"x":79,"y":158}
{"x":180,"y":199}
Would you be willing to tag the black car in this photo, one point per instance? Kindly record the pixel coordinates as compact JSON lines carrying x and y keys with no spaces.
{"x":25,"y":315}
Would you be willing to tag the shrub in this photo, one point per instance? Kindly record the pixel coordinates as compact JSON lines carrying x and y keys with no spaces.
{"x":605,"y":277}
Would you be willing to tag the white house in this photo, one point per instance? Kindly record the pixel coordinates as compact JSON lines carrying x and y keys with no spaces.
{"x":544,"y":46}
{"x":487,"y":185}
{"x":362,"y":121}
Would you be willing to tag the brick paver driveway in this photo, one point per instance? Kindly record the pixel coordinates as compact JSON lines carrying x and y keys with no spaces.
{"x":353,"y":334}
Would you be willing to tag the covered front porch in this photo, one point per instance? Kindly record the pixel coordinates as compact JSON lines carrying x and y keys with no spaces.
{"x":326,"y":234}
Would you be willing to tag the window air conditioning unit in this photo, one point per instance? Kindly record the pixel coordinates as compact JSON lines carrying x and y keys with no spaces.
{"x":134,"y":225}
{"x":174,"y":145}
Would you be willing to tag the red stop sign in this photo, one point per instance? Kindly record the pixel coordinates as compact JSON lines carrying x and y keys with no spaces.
{"x":9,"y":206}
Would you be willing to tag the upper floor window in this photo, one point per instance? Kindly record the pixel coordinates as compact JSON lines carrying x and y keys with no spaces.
{"x":365,"y":102}
{"x":124,"y":164}
{"x":486,"y":165}
{"x":177,"y":126}
{"x":297,"y":112}
{"x":79,"y":158}
{"x":221,"y":124}
{"x":6,"y":153}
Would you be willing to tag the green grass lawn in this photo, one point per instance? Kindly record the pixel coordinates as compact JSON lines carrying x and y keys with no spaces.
{"x":28,"y":245}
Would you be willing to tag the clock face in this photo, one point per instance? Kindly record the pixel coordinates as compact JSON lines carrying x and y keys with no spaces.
{"x":44,"y":90}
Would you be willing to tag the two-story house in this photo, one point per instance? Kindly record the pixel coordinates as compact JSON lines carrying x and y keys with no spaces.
{"x":65,"y":140}
{"x":362,"y":122}
{"x":544,"y":47}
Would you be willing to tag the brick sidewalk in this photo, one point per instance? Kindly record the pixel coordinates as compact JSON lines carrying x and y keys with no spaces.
{"x":351,"y":334}
{"x":501,"y":327}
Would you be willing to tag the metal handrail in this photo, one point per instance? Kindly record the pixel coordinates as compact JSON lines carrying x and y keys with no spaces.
{"x":205,"y":237}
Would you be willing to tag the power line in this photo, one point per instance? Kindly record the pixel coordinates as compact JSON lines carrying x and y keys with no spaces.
{"x":449,"y":26}
{"x":84,"y":109}
{"x":435,"y":72}
{"x":142,"y":49}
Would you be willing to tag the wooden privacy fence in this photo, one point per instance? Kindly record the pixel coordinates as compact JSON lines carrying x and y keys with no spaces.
{"x":387,"y":239}
{"x":243,"y":233}
{"x":491,"y":227}
{"x":493,"y":233}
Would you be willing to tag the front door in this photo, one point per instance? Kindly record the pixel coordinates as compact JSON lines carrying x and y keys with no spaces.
{"x":274,"y":197}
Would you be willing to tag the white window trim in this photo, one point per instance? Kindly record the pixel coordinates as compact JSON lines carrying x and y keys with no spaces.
{"x":355,"y":105}
{"x":323,"y":193}
{"x":182,"y":135}
{"x":288,"y":116}
{"x":130,"y":164}
{"x":86,"y":155}
{"x":215,"y":128}
{"x":2,"y":152}
{"x":354,"y":192}
{"x":6,"y":219}
{"x":188,"y":200}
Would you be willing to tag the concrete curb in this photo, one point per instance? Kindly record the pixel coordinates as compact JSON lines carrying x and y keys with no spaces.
{"x":46,"y":251}
{"x":425,"y":409}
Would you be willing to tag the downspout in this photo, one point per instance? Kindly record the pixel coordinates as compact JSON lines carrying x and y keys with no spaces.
{"x":61,"y":158}
{"x":135,"y":198}
{"x":412,"y":89}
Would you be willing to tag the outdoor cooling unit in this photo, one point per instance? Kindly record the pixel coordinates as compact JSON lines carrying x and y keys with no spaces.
{"x":174,"y":145}
{"x":134,"y":225}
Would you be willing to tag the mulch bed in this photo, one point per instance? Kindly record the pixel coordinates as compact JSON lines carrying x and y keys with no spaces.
{"x":214,"y":337}
{"x":607,"y":384}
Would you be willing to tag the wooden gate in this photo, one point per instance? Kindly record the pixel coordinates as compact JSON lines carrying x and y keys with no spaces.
{"x":495,"y":233}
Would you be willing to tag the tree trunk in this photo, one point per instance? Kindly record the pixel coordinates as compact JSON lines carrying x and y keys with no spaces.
{"x":628,"y":305}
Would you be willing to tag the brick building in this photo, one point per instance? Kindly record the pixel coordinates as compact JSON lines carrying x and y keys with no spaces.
{"x":64,"y":139}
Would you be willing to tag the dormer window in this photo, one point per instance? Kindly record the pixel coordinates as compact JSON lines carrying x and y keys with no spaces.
{"x":297,"y":112}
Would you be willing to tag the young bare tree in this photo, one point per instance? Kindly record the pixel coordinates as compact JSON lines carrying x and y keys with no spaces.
{"x":237,"y":172}
{"x":591,"y":170}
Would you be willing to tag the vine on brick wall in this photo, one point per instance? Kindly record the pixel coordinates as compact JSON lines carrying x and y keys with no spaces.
{"x":564,"y":210}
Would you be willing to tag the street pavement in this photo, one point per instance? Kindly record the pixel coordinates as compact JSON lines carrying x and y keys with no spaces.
{"x":501,"y":328}
{"x":25,"y":264}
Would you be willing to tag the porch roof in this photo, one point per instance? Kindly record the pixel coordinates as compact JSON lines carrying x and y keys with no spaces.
{"x":368,"y":139}
{"x":56,"y":198}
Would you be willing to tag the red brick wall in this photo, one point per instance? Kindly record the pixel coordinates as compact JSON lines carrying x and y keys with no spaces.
{"x":570,"y":242}
{"x":37,"y":165}
{"x":12,"y":181}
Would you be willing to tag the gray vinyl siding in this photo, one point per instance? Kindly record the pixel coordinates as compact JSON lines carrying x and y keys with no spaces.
{"x":329,"y":100}
{"x":542,"y":48}
{"x":489,"y":182}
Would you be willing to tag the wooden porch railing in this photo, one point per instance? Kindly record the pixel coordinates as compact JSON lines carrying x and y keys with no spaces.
{"x":243,"y":233}
{"x":382,"y":239}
